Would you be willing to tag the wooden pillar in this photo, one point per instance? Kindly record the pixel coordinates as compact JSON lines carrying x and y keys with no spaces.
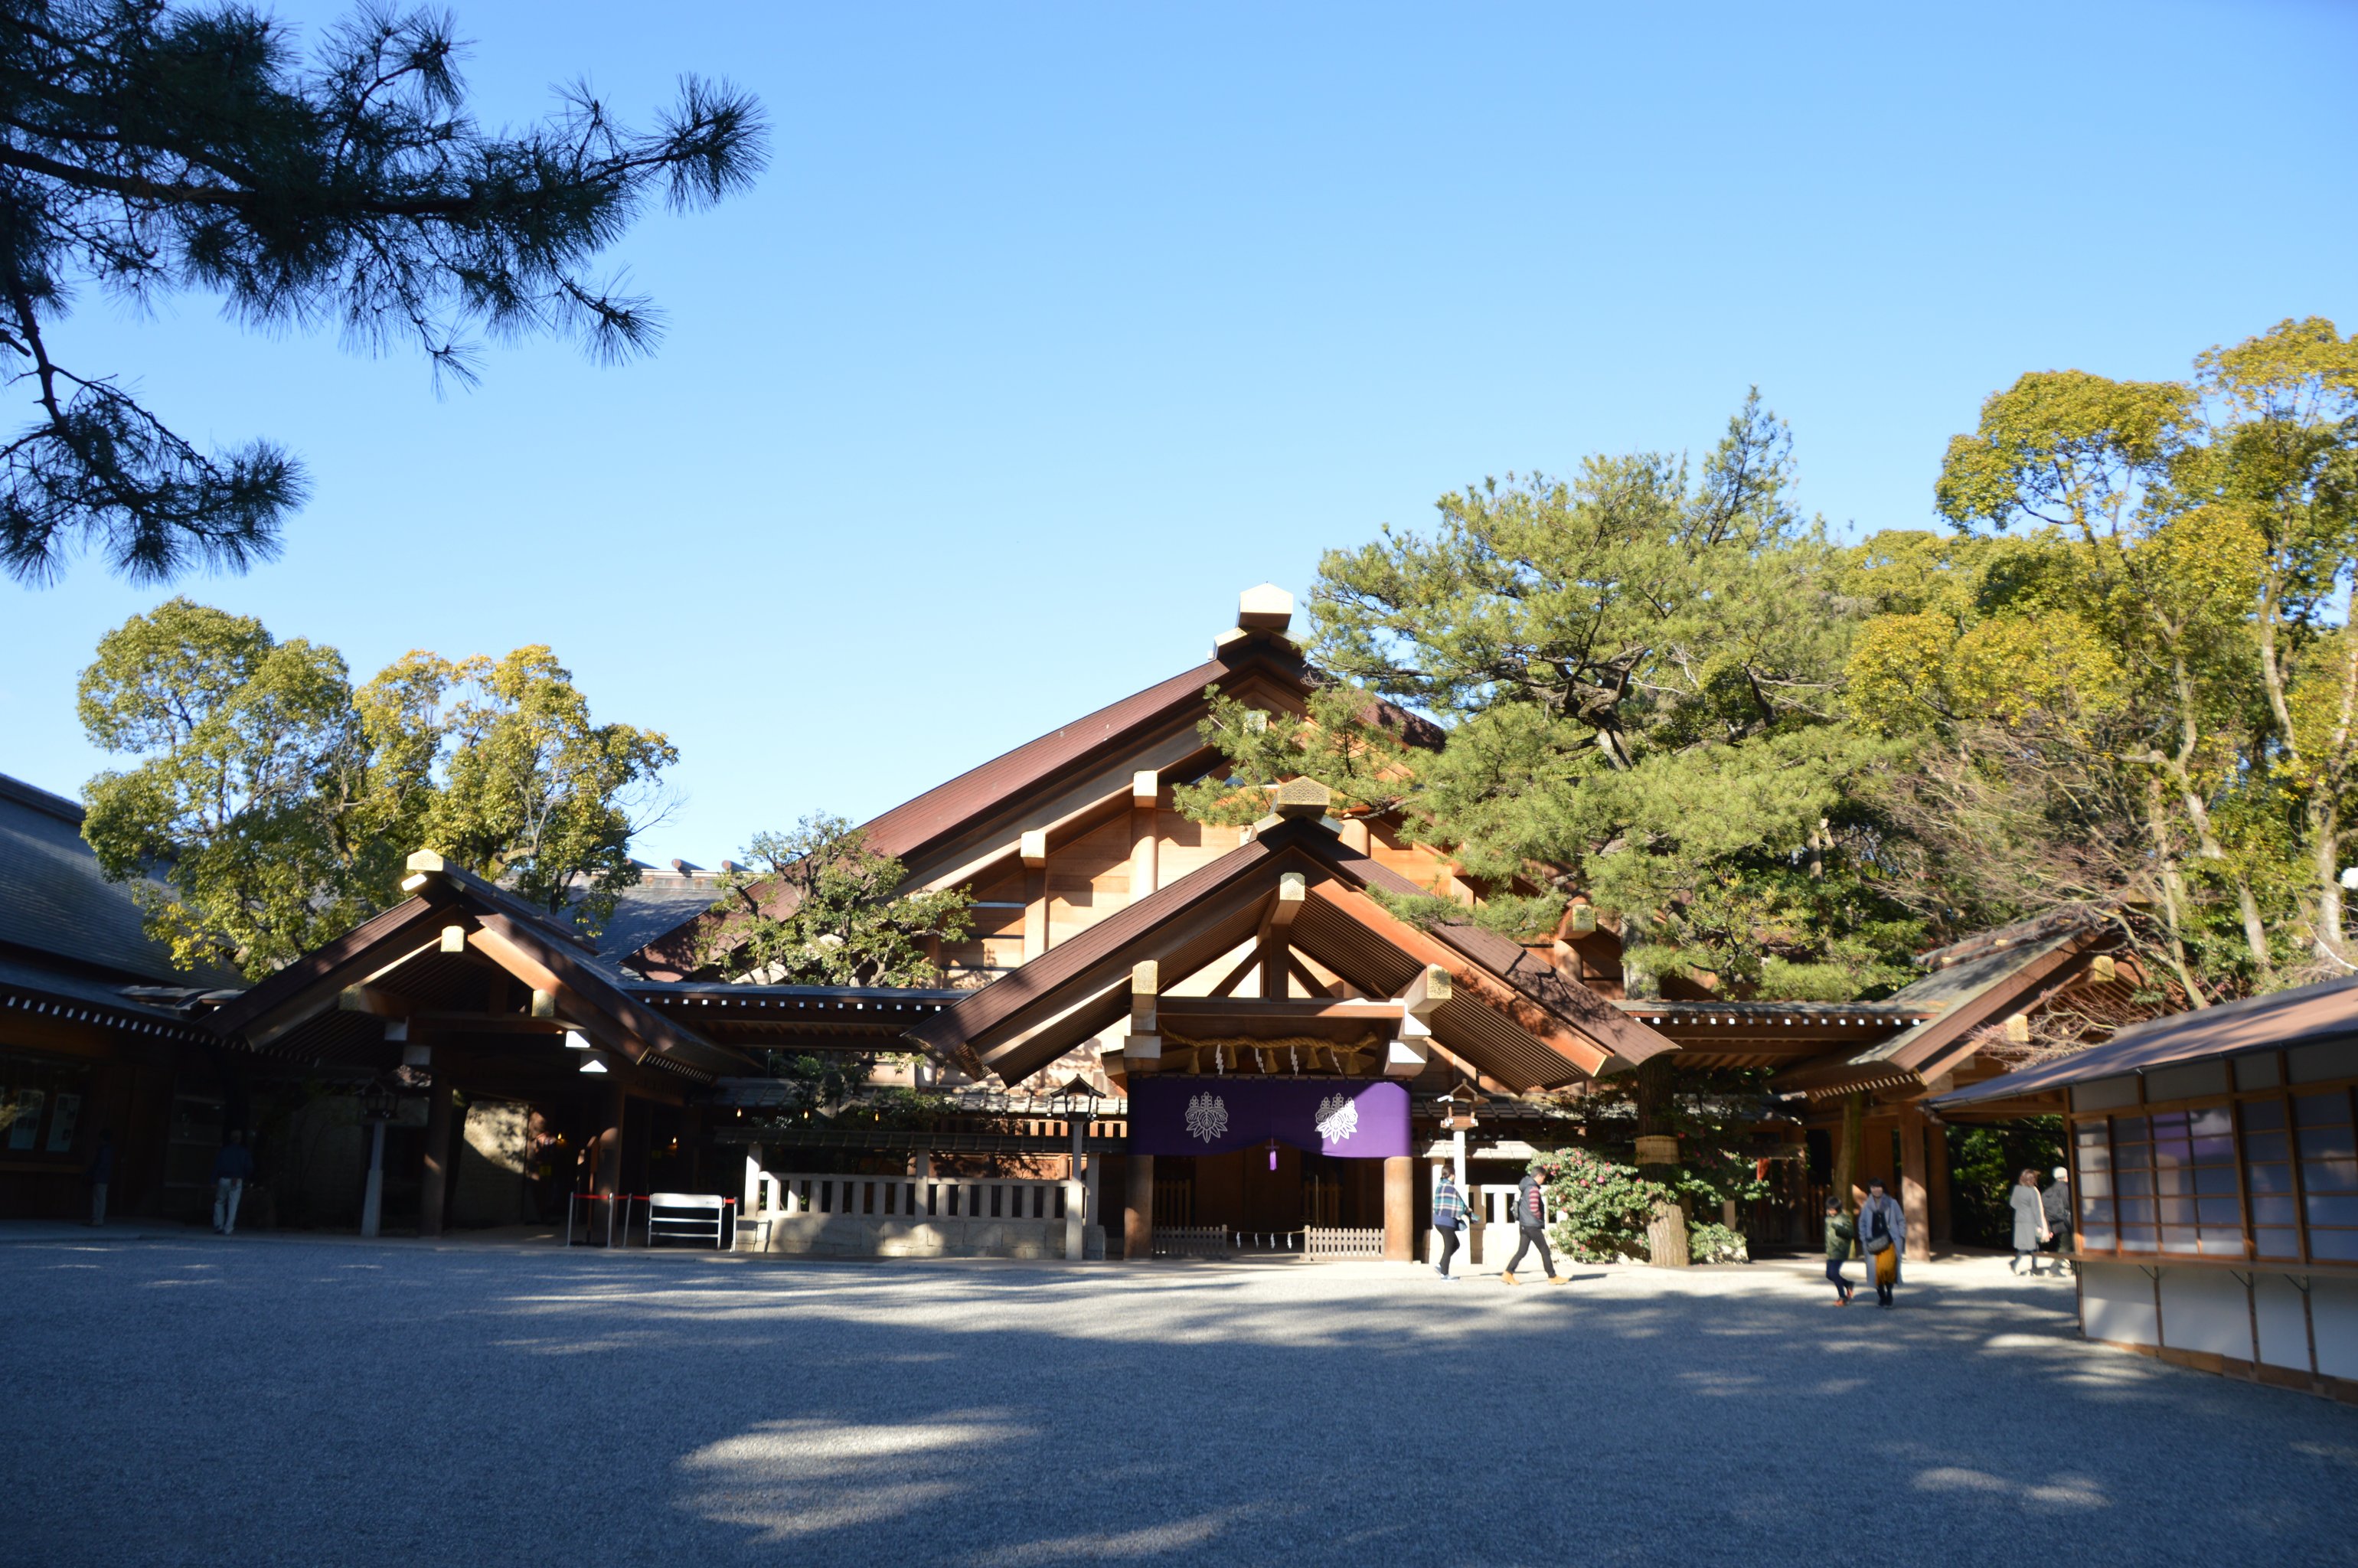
{"x":608,"y":1179}
{"x":1937,"y":1160}
{"x":1912,"y":1199}
{"x":1849,"y":1150}
{"x":1145,"y":802}
{"x":1400,"y":1210}
{"x":1138,"y":1209}
{"x":434,"y":1188}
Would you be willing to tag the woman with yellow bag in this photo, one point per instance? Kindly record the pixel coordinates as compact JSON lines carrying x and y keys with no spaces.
{"x":1883,"y":1231}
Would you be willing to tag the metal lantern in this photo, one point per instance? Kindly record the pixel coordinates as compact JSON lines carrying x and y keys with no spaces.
{"x":378,"y":1102}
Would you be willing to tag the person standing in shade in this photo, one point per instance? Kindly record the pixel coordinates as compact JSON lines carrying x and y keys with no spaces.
{"x":1530,"y":1220}
{"x":1840,"y":1234}
{"x":100,"y":1174}
{"x":2030,"y":1231}
{"x":232,"y":1167}
{"x":2058,"y":1205}
{"x":1882,"y":1230}
{"x":1448,"y":1218}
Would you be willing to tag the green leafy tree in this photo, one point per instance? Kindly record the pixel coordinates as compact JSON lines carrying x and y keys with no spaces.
{"x":817,"y":906}
{"x":252,"y":803}
{"x":2134,"y":660}
{"x":149,"y":148}
{"x":532,"y":793}
{"x":271,"y":807}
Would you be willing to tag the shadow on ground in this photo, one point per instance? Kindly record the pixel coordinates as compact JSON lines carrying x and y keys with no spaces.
{"x":287,"y":1401}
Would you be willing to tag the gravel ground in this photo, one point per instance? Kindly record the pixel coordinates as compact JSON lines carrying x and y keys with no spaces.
{"x":189,"y":1398}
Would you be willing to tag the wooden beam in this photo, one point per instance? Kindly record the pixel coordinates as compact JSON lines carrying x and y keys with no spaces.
{"x":1428,"y":992}
{"x":1146,"y":981}
{"x":452,"y":1021}
{"x":1145,"y":837}
{"x":1229,"y":982}
{"x":375,"y":1000}
{"x":1292,"y":888}
{"x":1584,"y":1053}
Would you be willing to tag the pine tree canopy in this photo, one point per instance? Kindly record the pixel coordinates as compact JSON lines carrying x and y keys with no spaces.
{"x":148,"y":148}
{"x":815,"y":905}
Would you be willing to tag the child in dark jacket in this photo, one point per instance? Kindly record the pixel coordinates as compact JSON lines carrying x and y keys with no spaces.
{"x":1840,"y":1234}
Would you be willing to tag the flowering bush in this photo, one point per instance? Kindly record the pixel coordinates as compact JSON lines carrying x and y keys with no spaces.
{"x":1602,"y":1208}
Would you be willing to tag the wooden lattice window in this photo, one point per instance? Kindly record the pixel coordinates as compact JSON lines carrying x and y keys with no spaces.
{"x":2329,"y":1174}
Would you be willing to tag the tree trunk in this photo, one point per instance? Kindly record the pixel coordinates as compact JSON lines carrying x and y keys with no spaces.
{"x":1666,"y":1230}
{"x":2173,"y":893}
{"x":1852,"y":1150}
{"x":1666,"y":1236}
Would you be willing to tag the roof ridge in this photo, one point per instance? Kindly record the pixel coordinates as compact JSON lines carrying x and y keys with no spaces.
{"x":39,"y":800}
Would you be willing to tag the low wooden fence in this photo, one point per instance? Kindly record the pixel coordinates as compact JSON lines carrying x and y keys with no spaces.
{"x":1343,"y":1241}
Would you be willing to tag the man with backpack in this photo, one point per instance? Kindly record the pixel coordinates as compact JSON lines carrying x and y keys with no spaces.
{"x":1531,"y":1220}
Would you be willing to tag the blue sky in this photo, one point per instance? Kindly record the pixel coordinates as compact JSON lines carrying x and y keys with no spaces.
{"x":1053,"y":327}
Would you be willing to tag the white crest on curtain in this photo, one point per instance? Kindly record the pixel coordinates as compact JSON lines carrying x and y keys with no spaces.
{"x":1338,"y":1118}
{"x":1208,"y":1117}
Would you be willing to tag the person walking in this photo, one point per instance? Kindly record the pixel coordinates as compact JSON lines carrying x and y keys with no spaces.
{"x":1531,"y":1220}
{"x":1448,"y":1218}
{"x":2058,"y":1205}
{"x":2030,"y":1230}
{"x":1882,"y":1230}
{"x":101,"y":1175}
{"x":233,"y":1168}
{"x":1840,"y":1234}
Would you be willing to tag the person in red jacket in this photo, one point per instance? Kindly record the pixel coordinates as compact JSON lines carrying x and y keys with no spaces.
{"x":1531,"y":1220}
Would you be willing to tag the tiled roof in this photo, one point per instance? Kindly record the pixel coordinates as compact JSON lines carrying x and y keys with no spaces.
{"x":53,"y":898}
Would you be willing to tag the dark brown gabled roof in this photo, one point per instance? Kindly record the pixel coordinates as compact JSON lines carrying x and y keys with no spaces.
{"x":1004,"y":1024}
{"x":1012,"y":780}
{"x":909,"y":829}
{"x":1986,"y":977}
{"x":296,"y":1011}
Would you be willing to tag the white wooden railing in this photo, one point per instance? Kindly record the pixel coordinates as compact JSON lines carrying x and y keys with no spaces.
{"x":775,"y":1195}
{"x":1342,"y":1241}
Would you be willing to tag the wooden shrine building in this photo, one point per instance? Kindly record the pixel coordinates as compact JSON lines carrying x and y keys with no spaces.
{"x":1160,"y":1034}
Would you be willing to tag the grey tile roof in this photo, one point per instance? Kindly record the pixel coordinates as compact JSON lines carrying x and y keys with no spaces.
{"x":52,"y":898}
{"x":1946,"y":989}
{"x":648,"y":909}
{"x":19,"y":977}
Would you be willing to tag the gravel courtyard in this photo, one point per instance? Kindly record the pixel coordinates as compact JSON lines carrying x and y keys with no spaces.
{"x":184,"y":1399}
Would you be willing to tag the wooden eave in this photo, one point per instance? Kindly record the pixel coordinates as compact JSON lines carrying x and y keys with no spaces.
{"x":1923,"y":1053}
{"x":1517,"y":1017}
{"x":329,"y":1006}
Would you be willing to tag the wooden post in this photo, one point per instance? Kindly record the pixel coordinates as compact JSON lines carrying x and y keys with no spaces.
{"x":1145,"y":797}
{"x":1034,"y":849}
{"x":1138,"y":1209}
{"x":609,"y":1180}
{"x":434,"y":1190}
{"x":1400,"y":1210}
{"x":1849,"y":1149}
{"x":1937,"y":1151}
{"x":1912,"y":1203}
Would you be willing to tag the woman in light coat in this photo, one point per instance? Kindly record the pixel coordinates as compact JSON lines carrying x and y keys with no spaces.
{"x":1880,"y":1216}
{"x":2030,"y":1232}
